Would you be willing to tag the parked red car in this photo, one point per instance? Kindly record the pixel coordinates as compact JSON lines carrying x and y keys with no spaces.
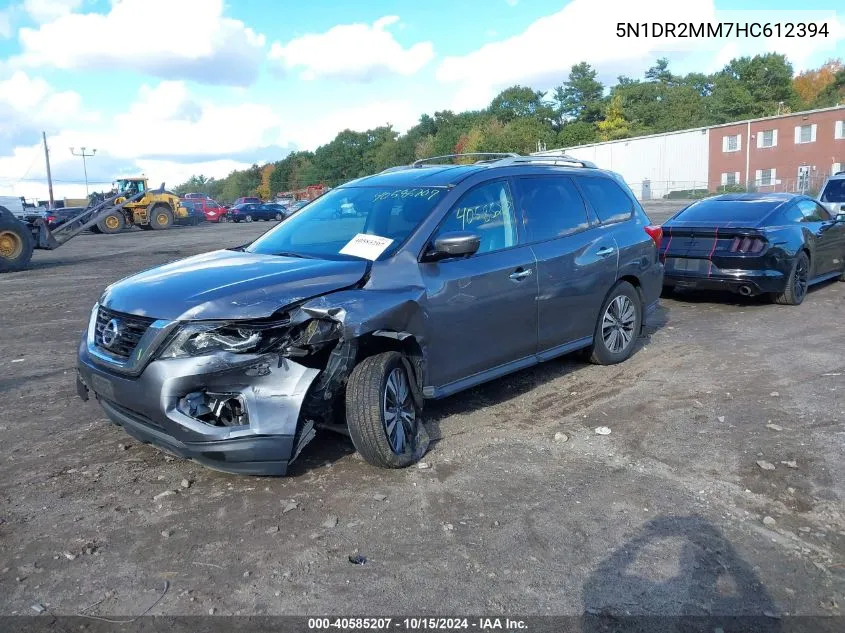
{"x":212,"y":209}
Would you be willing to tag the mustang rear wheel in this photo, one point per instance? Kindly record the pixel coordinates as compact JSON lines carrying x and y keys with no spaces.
{"x":381,"y":412}
{"x":797,"y":283}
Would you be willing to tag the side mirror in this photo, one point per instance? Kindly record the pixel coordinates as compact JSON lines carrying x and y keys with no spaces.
{"x":840,"y":217}
{"x":455,"y":244}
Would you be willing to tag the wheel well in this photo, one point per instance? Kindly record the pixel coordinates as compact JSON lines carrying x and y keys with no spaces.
{"x":634,"y":282}
{"x":372,"y":344}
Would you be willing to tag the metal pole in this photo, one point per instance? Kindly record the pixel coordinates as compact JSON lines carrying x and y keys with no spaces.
{"x":84,"y":165}
{"x":49,"y":175}
{"x":85,"y":170}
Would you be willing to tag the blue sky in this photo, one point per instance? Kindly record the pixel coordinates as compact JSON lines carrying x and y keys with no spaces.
{"x":175,"y":87}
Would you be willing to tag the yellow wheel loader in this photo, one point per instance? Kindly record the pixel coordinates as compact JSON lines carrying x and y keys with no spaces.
{"x":149,"y":210}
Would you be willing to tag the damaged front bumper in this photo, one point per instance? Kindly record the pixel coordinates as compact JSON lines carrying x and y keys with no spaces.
{"x":237,"y":413}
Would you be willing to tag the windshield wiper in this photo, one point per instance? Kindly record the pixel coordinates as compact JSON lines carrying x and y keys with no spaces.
{"x":291,"y":254}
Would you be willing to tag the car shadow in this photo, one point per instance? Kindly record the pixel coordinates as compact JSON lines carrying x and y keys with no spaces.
{"x":730,"y":298}
{"x":679,"y":573}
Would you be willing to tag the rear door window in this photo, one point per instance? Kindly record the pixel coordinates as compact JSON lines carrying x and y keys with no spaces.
{"x":607,"y":199}
{"x":551,"y":207}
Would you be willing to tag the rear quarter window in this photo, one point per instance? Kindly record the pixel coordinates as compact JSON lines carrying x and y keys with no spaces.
{"x":607,"y":199}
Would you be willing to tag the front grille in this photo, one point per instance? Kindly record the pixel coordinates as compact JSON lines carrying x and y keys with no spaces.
{"x":130,"y":327}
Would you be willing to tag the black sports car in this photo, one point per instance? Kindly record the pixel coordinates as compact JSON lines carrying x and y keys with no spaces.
{"x":752,"y":244}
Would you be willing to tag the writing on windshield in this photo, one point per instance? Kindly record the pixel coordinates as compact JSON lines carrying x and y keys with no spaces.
{"x":403,"y":194}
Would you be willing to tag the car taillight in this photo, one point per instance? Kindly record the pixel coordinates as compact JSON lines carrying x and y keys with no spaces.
{"x":747,"y":245}
{"x":655,"y":233}
{"x":51,"y":218}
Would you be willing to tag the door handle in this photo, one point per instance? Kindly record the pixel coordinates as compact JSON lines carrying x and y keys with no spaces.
{"x":605,"y":251}
{"x":520,"y":274}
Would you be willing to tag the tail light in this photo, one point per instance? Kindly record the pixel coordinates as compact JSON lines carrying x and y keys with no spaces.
{"x":655,"y":233}
{"x":751,"y":245}
{"x":51,"y":218}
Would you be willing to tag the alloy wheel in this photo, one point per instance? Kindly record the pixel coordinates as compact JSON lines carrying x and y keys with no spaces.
{"x":617,"y":326}
{"x":799,"y":283}
{"x":398,"y":411}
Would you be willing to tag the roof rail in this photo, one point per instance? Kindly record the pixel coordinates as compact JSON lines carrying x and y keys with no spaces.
{"x":419,"y":163}
{"x":547,"y":159}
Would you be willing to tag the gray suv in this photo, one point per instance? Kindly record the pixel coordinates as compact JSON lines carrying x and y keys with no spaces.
{"x":446,"y":276}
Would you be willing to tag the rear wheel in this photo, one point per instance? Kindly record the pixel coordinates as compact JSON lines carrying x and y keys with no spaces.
{"x":279,"y":217}
{"x":161,"y":218}
{"x":381,"y":413}
{"x":16,"y":243}
{"x":113,"y":223}
{"x":618,"y":327}
{"x":797,"y":283}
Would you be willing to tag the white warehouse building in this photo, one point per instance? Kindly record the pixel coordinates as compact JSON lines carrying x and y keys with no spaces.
{"x":654,"y":165}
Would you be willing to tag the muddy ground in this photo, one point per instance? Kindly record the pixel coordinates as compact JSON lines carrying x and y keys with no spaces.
{"x":663,"y":515}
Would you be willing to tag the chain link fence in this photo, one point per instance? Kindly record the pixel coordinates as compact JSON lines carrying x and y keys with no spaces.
{"x":809,"y":184}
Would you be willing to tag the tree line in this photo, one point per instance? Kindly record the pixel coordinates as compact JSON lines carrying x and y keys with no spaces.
{"x":580,"y":110}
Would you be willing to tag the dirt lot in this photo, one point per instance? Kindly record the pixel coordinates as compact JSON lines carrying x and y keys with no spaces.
{"x":663,"y":515}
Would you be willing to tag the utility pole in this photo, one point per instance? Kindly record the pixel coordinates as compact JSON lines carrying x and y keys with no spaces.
{"x":84,"y":166}
{"x":49,"y":175}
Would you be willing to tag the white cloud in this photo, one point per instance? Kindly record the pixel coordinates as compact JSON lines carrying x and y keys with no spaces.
{"x":28,"y":105}
{"x":47,"y":10}
{"x":400,"y":113}
{"x":171,"y":39}
{"x":542,"y":55}
{"x":354,"y":52}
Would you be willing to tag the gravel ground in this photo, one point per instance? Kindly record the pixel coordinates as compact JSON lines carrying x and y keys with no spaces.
{"x":718,"y":490}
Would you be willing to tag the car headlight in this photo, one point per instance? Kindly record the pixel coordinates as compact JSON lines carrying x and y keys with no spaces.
{"x":199,"y":339}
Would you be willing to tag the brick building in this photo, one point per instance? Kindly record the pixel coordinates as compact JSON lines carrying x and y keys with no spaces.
{"x":792,"y":152}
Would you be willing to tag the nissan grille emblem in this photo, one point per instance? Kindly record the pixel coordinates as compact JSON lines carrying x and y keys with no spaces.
{"x":111,"y":333}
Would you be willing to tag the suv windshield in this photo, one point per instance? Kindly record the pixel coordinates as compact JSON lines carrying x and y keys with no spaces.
{"x":834,"y":191}
{"x":326,"y":225}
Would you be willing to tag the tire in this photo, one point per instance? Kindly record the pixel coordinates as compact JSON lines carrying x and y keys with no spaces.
{"x":797,"y":283}
{"x":221,"y":219}
{"x":615,"y":316}
{"x":279,"y":217}
{"x":16,"y":243}
{"x":247,"y":218}
{"x":367,"y":401}
{"x":161,"y":218}
{"x":112,"y":223}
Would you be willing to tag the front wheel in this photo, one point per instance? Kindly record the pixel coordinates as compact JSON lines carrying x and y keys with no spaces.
{"x":161,"y":218}
{"x":382,"y":415}
{"x":797,"y":283}
{"x":618,"y":327}
{"x":248,"y":218}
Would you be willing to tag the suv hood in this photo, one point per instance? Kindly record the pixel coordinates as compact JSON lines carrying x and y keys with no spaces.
{"x":228,"y":285}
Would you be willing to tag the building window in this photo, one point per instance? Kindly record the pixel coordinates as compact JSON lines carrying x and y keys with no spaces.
{"x":732,"y":143}
{"x":730,"y":178}
{"x":835,"y":168}
{"x":765,"y":177}
{"x":805,"y":134}
{"x":768,"y":138}
{"x":839,"y":131}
